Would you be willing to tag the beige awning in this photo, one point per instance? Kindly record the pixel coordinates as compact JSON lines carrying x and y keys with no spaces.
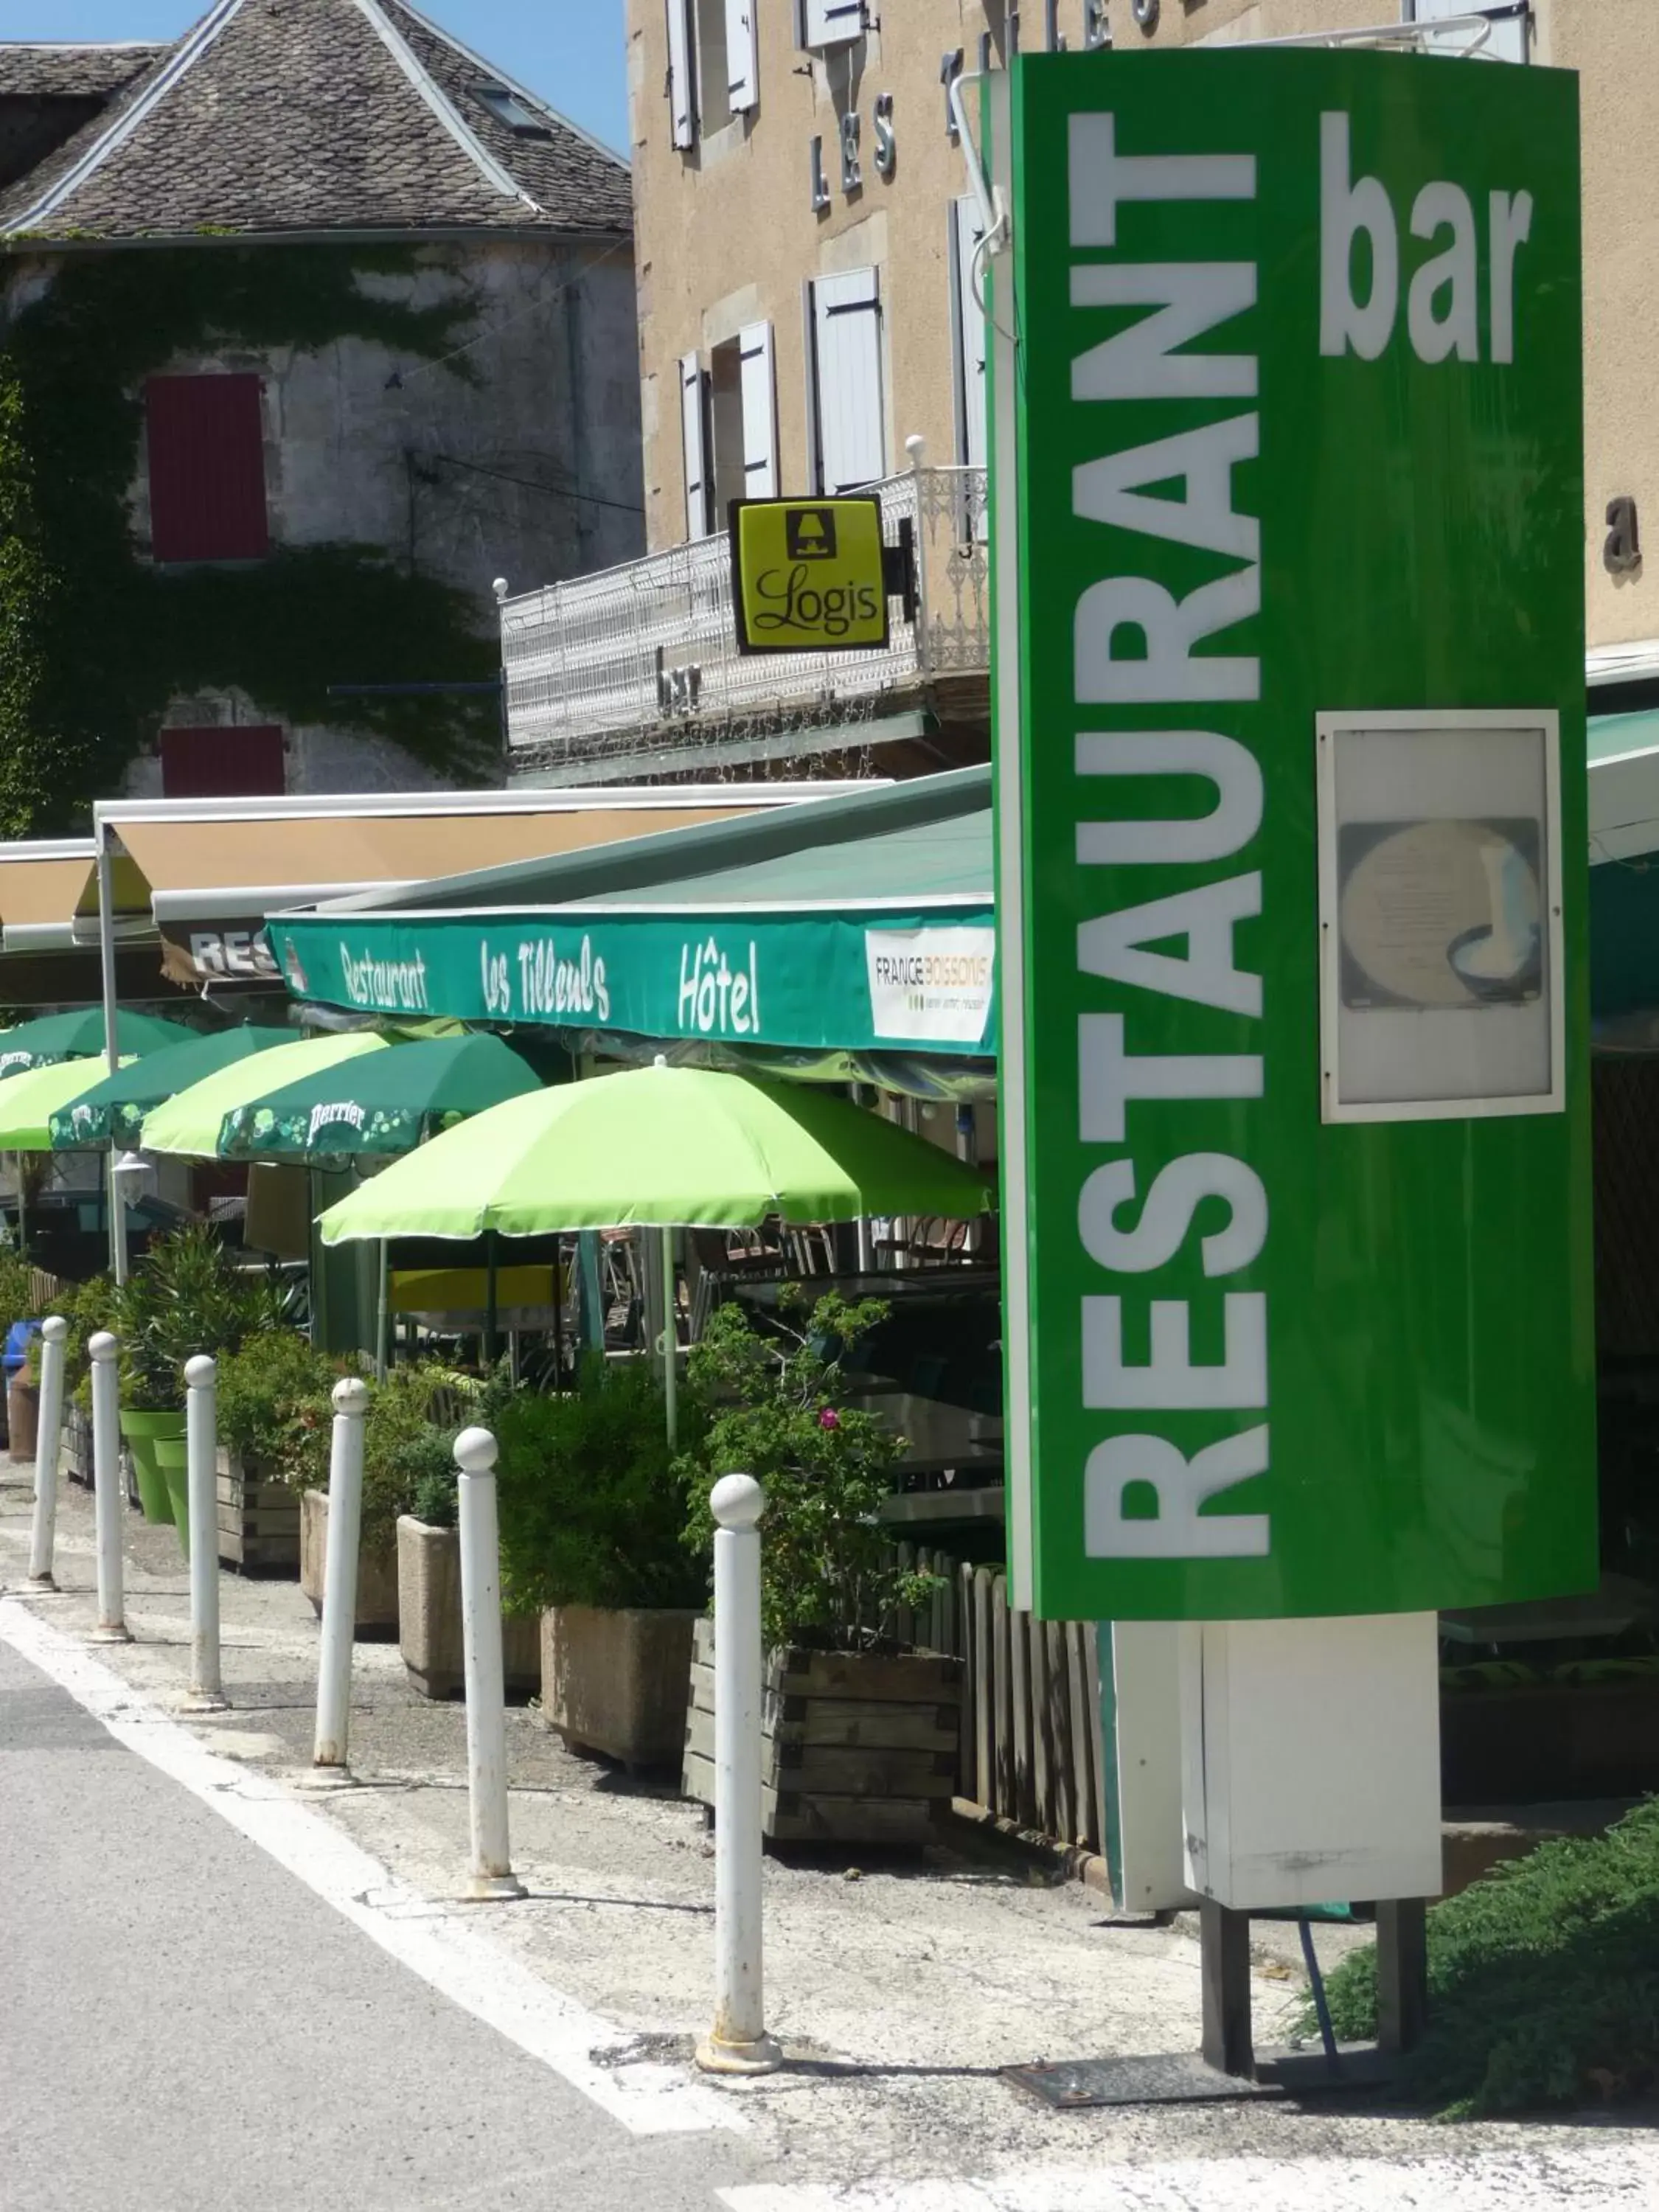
{"x":208,"y":873}
{"x":41,"y":885}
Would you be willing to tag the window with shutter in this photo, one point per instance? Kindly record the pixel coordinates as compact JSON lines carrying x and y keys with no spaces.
{"x":682,"y":92}
{"x":695,"y":434}
{"x":831,"y":22}
{"x":760,"y":412}
{"x":1506,"y":37}
{"x":226,"y":762}
{"x":846,"y":380}
{"x":206,"y":443}
{"x":742,"y":72}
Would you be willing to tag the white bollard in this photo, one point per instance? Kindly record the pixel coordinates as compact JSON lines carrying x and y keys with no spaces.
{"x":738,"y":2043}
{"x":48,"y":1450}
{"x":346,"y":1521}
{"x":207,"y":1689}
{"x":492,"y":1874}
{"x":110,"y":1490}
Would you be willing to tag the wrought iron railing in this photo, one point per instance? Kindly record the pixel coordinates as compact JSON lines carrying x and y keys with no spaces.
{"x":646,"y":655}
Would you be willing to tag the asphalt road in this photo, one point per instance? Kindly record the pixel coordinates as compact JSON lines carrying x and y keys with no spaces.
{"x":184,"y":2025}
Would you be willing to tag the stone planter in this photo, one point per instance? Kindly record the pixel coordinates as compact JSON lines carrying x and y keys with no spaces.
{"x":258,"y":1520}
{"x":430,"y":1618}
{"x":615,"y":1681}
{"x":377,"y":1571}
{"x":857,"y":1747}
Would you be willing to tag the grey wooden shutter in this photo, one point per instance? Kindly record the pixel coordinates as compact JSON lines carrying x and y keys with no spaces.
{"x":742,"y":72}
{"x":760,"y":413}
{"x":968,"y":328}
{"x":831,"y":22}
{"x":846,"y":379}
{"x":1506,"y":34}
{"x":695,"y":434}
{"x":682,"y":92}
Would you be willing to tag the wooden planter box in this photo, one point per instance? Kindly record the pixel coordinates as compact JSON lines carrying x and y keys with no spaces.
{"x":430,"y":1618}
{"x":258,"y":1520}
{"x":76,"y":1458}
{"x":857,"y":1747}
{"x":377,"y":1570}
{"x":615,"y":1681}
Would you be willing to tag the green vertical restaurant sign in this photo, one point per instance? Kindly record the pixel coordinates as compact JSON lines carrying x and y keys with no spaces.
{"x":1291,"y":834}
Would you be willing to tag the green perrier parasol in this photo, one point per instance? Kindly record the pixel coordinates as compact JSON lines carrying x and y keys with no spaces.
{"x":80,"y":1035}
{"x":191,"y":1123}
{"x":113,"y":1110}
{"x":389,"y":1102}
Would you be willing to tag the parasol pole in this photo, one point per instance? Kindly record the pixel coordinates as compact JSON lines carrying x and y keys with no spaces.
{"x":383,"y":1312}
{"x":493,"y":1262}
{"x":670,"y":1340}
{"x":22,"y":1209}
{"x":117,"y":1202}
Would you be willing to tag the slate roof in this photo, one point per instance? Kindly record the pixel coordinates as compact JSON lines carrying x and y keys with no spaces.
{"x":75,"y":72}
{"x":278,"y":116}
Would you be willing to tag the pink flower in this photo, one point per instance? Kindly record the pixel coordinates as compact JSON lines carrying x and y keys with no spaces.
{"x":828,"y":1418}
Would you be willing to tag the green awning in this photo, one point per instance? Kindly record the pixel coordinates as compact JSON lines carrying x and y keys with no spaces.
{"x":853,"y":924}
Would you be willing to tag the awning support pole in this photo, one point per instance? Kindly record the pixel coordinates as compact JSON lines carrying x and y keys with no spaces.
{"x":118,"y":1209}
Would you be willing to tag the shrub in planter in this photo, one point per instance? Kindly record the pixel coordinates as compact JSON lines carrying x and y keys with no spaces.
{"x":413,"y":1419}
{"x":263,"y":1388}
{"x":184,"y":1297}
{"x":593,"y":1521}
{"x":860,"y":1735}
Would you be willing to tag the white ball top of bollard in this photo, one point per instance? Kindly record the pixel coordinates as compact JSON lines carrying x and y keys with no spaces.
{"x":201,"y":1371}
{"x":102,"y":1347}
{"x":738,"y":1501}
{"x":351,"y":1396}
{"x":54,"y":1329}
{"x":476,"y":1452}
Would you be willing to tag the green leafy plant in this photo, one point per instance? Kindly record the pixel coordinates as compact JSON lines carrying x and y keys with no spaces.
{"x":1543,"y":1981}
{"x":828,"y":1573}
{"x":89,"y":1309}
{"x":185,"y":1296}
{"x":263,"y":1388}
{"x":593,"y":1511}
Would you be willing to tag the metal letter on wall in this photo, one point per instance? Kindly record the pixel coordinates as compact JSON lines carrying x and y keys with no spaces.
{"x":1291,"y":1332}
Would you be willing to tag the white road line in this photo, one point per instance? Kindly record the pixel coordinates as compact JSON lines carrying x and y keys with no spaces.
{"x":456,"y":1959}
{"x":1588,"y":2170}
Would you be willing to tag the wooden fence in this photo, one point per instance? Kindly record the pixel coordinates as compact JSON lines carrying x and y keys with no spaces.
{"x":1029,"y":1748}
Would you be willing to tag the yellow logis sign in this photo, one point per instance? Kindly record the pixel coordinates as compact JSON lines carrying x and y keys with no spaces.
{"x":808,"y":574}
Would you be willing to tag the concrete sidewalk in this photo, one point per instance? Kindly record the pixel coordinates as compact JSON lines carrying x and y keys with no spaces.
{"x":899,"y":1986}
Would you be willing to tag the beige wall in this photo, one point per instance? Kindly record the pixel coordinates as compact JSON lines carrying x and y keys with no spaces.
{"x":1614,"y":47}
{"x":1188,"y":22}
{"x":726,"y":236}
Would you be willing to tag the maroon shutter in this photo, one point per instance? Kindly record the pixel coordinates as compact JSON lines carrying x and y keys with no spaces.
{"x":207,"y":468}
{"x":229,"y":762}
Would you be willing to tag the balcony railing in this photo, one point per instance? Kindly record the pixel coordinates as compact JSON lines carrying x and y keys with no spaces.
{"x":644,"y":658}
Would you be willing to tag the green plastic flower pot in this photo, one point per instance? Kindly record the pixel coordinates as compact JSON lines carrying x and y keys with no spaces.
{"x":142,"y":1432}
{"x":173,"y":1458}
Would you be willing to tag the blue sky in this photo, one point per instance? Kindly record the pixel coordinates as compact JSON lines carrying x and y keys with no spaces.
{"x":571,"y":51}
